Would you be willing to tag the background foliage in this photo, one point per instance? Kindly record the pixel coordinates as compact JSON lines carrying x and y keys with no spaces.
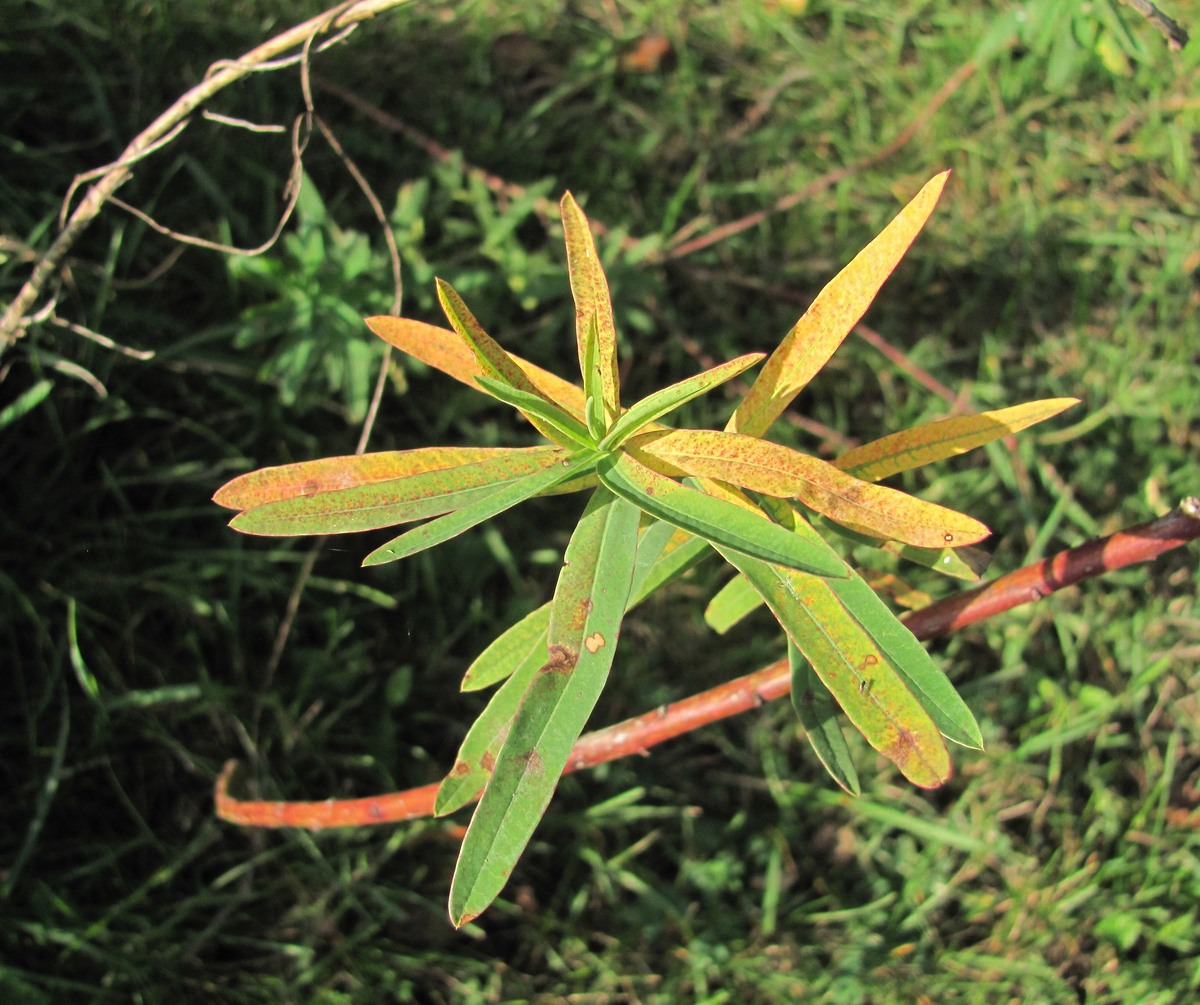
{"x":138,"y":633}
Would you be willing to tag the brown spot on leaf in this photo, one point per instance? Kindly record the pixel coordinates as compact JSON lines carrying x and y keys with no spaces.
{"x":461,"y":768}
{"x":594,"y":642}
{"x":488,"y":761}
{"x":533,"y":762}
{"x":868,"y":661}
{"x":561,"y":660}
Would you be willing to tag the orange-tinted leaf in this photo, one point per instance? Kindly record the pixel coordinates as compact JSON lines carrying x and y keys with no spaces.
{"x":306,"y":478}
{"x":935,"y":441}
{"x":398,"y":500}
{"x":775,"y":470}
{"x":590,"y":289}
{"x":830,"y":318}
{"x":444,"y":350}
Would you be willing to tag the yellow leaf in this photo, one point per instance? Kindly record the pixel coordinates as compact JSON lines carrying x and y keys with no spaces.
{"x":444,"y":350}
{"x":830,"y":318}
{"x":331,"y":474}
{"x":771,"y":469}
{"x":935,"y":441}
{"x":589,"y":286}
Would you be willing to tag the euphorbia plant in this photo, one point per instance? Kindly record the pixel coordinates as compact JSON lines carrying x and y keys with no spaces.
{"x":660,"y":499}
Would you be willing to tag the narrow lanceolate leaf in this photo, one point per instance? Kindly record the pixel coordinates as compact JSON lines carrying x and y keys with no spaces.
{"x":660,"y":557}
{"x":594,"y":410}
{"x":481,"y":746}
{"x":493,"y":361}
{"x":830,"y":318}
{"x":762,"y":466}
{"x":589,"y":603}
{"x":445,"y":350}
{"x":967,"y":563}
{"x":853,"y":668}
{"x":732,"y":602}
{"x":398,"y":500}
{"x":658,"y":404}
{"x":924,"y":678}
{"x":944,"y":438}
{"x":818,"y":714}
{"x":589,"y":286}
{"x":571,"y":430}
{"x":508,"y":650}
{"x":443,"y":528}
{"x":715,"y":520}
{"x":307,"y":478}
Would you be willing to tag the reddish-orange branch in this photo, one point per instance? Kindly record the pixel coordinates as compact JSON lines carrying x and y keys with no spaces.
{"x":636,"y":736}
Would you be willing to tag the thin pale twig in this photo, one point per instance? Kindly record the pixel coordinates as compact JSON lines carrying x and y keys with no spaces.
{"x":14,"y":320}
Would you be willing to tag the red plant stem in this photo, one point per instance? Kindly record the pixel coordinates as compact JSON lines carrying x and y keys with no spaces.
{"x":1142,"y":543}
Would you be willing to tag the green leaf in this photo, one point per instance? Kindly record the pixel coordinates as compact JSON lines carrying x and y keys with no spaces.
{"x":589,"y":603}
{"x":853,"y":668}
{"x":656,"y":564}
{"x":732,"y":602}
{"x":818,"y":714}
{"x":396,"y":500}
{"x":493,"y":361}
{"x":477,"y":754}
{"x":452,"y":524}
{"x":508,"y":650}
{"x":516,"y":654}
{"x":911,"y":661}
{"x":593,"y":385}
{"x":715,"y":520}
{"x":535,"y":406}
{"x":658,"y":404}
{"x":589,"y":287}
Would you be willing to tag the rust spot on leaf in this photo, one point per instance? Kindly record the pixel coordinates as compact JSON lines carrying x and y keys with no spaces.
{"x":533,"y":762}
{"x":561,"y":660}
{"x":594,"y":642}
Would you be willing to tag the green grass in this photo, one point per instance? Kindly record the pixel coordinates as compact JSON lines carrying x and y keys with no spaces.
{"x":136,"y":631}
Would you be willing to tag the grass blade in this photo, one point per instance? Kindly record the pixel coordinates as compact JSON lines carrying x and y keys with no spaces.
{"x":589,"y":604}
